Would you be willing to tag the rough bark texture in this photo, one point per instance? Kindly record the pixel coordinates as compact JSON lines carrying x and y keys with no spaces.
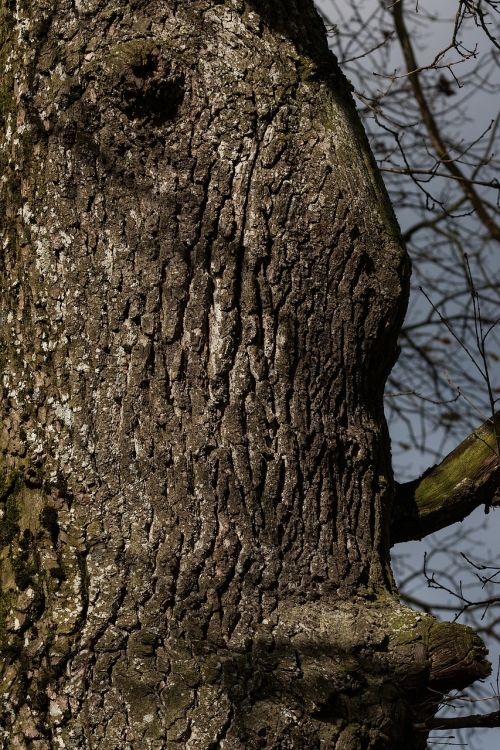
{"x":201,"y":290}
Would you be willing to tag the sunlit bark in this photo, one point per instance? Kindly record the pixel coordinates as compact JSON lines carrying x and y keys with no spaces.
{"x":202,"y":286}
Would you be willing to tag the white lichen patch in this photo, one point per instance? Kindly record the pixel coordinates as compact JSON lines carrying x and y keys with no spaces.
{"x":54,"y":710}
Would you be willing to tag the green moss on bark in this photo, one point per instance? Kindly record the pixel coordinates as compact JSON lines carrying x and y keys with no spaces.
{"x":460,"y":466}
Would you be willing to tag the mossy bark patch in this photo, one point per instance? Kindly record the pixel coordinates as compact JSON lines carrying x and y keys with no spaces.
{"x":40,"y":598}
{"x":469,"y":461}
{"x":469,"y":476}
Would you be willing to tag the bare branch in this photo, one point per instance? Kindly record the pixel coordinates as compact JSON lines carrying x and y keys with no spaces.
{"x":430,"y":123}
{"x":463,"y":722}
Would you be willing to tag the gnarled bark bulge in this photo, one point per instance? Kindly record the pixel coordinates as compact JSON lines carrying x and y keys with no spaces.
{"x":202,"y":286}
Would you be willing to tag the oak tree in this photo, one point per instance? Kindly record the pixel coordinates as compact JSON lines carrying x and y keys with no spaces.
{"x":202,"y":285}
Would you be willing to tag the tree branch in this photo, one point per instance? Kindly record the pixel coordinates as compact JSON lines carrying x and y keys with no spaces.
{"x":437,"y":140}
{"x":463,"y":722}
{"x":450,"y":491}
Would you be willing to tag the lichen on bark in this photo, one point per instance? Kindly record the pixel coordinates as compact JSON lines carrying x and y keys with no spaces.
{"x":39,"y":588}
{"x":202,"y":286}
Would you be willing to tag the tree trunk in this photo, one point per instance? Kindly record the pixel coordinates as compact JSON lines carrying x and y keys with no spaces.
{"x":202,"y":286}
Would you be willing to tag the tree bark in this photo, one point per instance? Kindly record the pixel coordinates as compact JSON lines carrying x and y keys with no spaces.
{"x":450,"y":491}
{"x":202,"y":286}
